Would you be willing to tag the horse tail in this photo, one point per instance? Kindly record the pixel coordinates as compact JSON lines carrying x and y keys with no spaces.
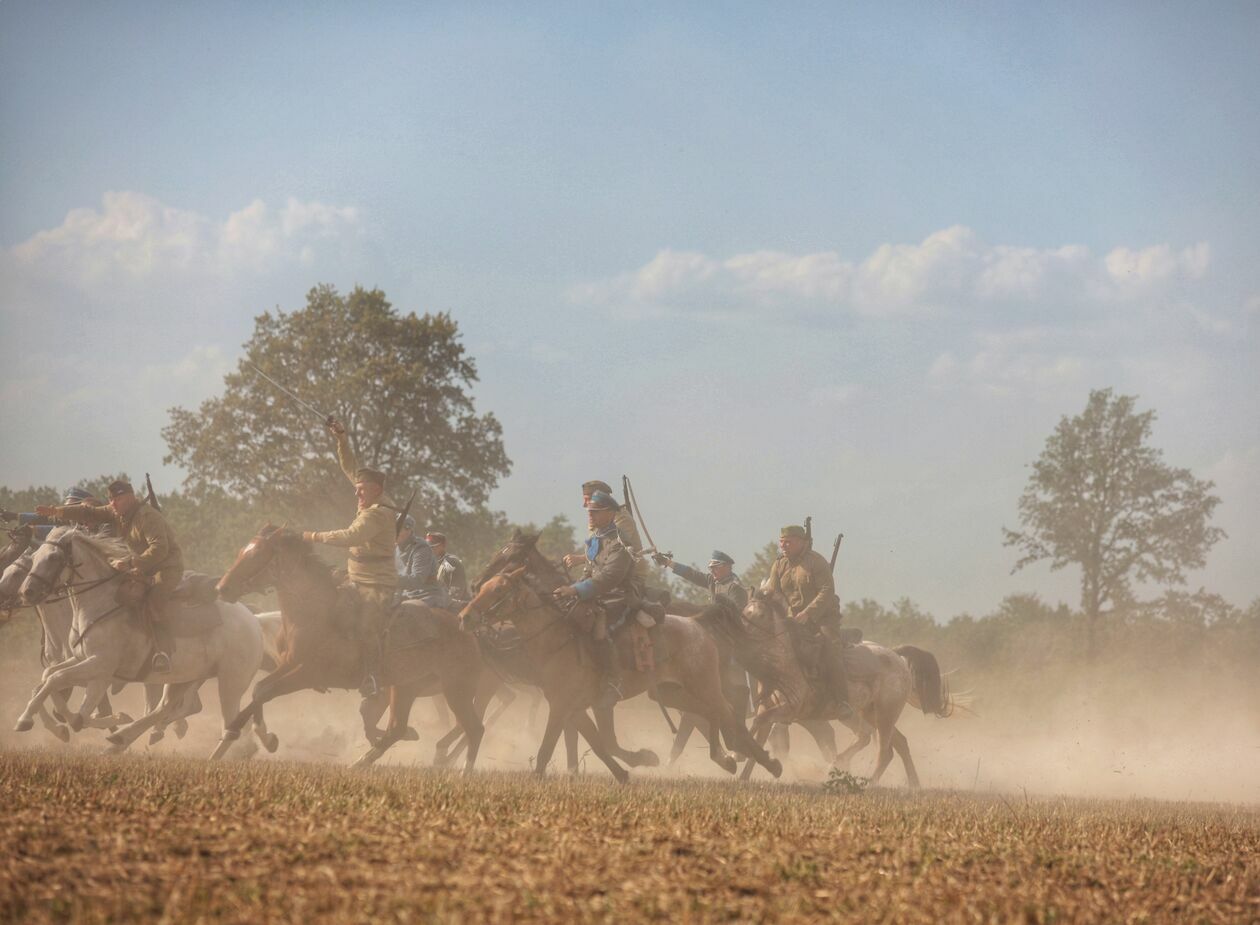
{"x":931,"y":688}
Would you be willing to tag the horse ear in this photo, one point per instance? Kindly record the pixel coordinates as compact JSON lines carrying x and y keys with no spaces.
{"x":516,"y":535}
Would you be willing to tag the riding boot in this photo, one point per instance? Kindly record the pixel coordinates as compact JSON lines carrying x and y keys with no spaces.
{"x":606,"y":661}
{"x":371,"y":651}
{"x":160,"y":632}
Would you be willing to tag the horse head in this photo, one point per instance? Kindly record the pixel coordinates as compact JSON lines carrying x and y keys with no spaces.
{"x":250,"y":570}
{"x":49,"y":559}
{"x":513,"y":554}
{"x":19,"y":543}
{"x":11,"y":581}
{"x":495,"y":593}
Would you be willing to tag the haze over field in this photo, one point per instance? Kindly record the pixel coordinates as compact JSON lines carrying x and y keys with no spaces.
{"x":855,"y":264}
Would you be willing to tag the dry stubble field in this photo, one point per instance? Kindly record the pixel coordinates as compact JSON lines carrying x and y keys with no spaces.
{"x":92,"y":839}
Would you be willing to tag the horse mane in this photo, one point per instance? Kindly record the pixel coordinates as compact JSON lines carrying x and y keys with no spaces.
{"x":106,"y":547}
{"x":291,"y":543}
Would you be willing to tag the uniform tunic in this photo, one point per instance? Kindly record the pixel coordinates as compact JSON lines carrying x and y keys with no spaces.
{"x":609,"y":576}
{"x":628,"y":533}
{"x":417,"y":574}
{"x":807,"y":583}
{"x":369,"y":538}
{"x":155,"y":552}
{"x":729,"y":588}
{"x":450,"y":572}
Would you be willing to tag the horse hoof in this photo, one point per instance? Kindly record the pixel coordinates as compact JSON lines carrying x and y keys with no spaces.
{"x":156,"y":736}
{"x":649,"y":758}
{"x":181,"y":728}
{"x":61,"y":732}
{"x":58,"y":715}
{"x":24,"y":725}
{"x":410,"y":735}
{"x":622,"y":775}
{"x":117,"y":741}
{"x":76,"y":722}
{"x":122,"y":719}
{"x":775,"y":767}
{"x":271,"y":741}
{"x":115,"y":748}
{"x":729,"y":764}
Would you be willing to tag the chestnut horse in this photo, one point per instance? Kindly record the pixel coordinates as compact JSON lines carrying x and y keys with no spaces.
{"x":316,"y":651}
{"x":688,"y":679}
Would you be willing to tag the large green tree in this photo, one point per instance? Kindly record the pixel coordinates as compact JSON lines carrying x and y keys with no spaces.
{"x":1101,"y":497}
{"x":400,"y":383}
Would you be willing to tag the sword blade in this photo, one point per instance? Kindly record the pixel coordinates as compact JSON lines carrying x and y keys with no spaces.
{"x":305,"y":404}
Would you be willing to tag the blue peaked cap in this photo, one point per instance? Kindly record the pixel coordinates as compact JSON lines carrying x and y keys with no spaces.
{"x":721,"y":558}
{"x":77,"y":495}
{"x":601,"y":501}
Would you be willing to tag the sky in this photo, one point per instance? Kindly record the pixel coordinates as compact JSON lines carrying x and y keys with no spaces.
{"x":853,"y":263}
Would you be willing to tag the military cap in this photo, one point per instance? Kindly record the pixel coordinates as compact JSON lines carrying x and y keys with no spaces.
{"x":793,"y":530}
{"x":720,"y":558}
{"x":432,"y":538}
{"x":78,"y":495}
{"x":589,"y":488}
{"x":601,"y":501}
{"x":374,"y":476}
{"x":120,"y":488}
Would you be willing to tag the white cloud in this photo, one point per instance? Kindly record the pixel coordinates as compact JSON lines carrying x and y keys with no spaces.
{"x":950,"y":269}
{"x":134,"y":237}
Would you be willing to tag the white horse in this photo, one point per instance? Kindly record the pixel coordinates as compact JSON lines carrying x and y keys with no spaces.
{"x":112,"y":643}
{"x":55,"y":618}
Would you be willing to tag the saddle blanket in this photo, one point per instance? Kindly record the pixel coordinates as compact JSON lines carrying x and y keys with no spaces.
{"x":415,"y":624}
{"x":639,"y":648}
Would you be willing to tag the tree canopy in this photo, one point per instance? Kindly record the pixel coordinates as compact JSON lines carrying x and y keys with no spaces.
{"x":400,"y":383}
{"x":1101,"y":497}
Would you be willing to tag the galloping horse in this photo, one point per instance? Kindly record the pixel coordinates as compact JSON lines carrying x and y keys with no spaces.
{"x":314,"y":651}
{"x":688,"y":679}
{"x":114,"y":644}
{"x":881,"y":682}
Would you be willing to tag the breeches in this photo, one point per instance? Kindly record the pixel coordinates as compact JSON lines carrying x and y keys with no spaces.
{"x":377,"y":605}
{"x":158,"y":600}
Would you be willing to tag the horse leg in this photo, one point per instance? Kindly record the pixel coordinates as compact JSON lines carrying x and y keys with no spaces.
{"x":400,"y":702}
{"x":902,"y":748}
{"x":72,"y":675}
{"x":371,"y":709}
{"x":60,"y":730}
{"x":445,"y":754}
{"x":885,"y":752}
{"x":583,"y":723}
{"x":282,"y":681}
{"x":463,"y":704}
{"x":644,"y":757}
{"x":781,"y":740}
{"x":166,"y":708}
{"x":92,"y":694}
{"x":862,"y":730}
{"x":825,"y":735}
{"x":686,"y":726}
{"x":571,"y":746}
{"x":555,"y":725}
{"x":759,"y":736}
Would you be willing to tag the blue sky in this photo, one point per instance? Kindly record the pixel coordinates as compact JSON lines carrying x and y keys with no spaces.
{"x":854,"y":263}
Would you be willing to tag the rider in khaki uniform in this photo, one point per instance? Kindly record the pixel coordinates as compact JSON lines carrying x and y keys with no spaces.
{"x":156,"y":559}
{"x":370,"y":539}
{"x":804,"y":577}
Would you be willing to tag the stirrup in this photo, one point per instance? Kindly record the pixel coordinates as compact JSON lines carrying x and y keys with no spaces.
{"x":161,"y":662}
{"x":369,"y":687}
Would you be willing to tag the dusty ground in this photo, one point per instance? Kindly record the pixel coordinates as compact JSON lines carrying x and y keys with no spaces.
{"x":89,"y":838}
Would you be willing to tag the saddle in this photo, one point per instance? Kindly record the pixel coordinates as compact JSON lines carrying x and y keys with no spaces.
{"x":640,"y":648}
{"x":415,"y":623}
{"x":193,"y":608}
{"x":196,"y":588}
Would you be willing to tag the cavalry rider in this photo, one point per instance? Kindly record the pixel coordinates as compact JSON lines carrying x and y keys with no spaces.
{"x":804,"y":577}
{"x":417,"y":569}
{"x":725,"y":587}
{"x":610,"y":581}
{"x":370,"y":540}
{"x":74,"y":495}
{"x":627,"y":531}
{"x":156,"y":559}
{"x":721,"y":579}
{"x":450,"y":570}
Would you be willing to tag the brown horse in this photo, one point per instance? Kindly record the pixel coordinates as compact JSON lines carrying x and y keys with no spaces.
{"x":688,"y":679}
{"x":316,"y":651}
{"x":881,"y":682}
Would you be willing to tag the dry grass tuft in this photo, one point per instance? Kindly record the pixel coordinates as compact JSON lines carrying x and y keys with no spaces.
{"x":91,"y":839}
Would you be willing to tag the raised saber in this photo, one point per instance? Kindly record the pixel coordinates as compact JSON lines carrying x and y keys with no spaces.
{"x":835,"y":552}
{"x":305,"y":404}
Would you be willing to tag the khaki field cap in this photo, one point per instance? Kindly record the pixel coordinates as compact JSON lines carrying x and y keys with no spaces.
{"x":120,"y":488}
{"x":370,"y":475}
{"x":595,"y":485}
{"x":793,"y":530}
